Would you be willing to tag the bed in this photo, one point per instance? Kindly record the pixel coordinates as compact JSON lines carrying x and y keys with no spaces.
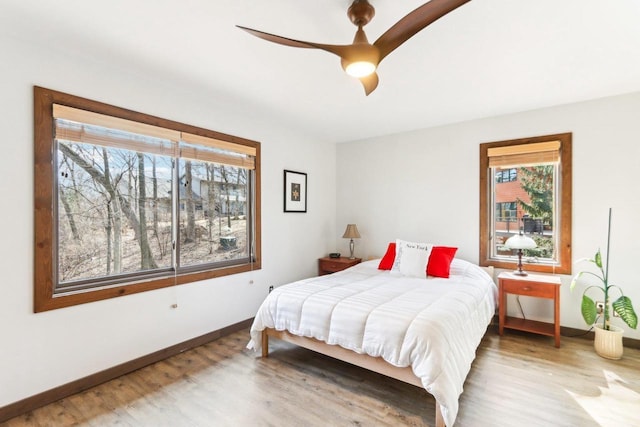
{"x":423,"y":331}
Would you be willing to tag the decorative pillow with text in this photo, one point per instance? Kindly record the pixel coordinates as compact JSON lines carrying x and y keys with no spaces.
{"x":412,"y":258}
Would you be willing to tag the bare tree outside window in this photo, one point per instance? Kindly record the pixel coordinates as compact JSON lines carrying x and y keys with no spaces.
{"x":217,"y":196}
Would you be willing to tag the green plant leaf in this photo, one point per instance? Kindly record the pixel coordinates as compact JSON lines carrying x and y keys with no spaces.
{"x":623,"y":307}
{"x":575,"y":280}
{"x":598,"y":259}
{"x":589,"y":310}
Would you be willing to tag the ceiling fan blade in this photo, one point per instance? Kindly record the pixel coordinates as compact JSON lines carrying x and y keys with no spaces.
{"x":277,"y":39}
{"x":370,"y":82}
{"x":340,"y":50}
{"x":415,"y":21}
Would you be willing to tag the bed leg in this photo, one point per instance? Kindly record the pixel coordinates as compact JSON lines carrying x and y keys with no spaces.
{"x":265,"y":343}
{"x":439,"y":418}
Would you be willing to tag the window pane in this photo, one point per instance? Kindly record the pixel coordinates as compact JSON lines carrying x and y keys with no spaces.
{"x":213,"y":211}
{"x":114,"y":212}
{"x":526,"y":205}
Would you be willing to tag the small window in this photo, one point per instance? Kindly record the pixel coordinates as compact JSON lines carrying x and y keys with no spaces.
{"x":506,"y":212}
{"x":506,"y":175}
{"x":525,"y":187}
{"x":127,"y":202}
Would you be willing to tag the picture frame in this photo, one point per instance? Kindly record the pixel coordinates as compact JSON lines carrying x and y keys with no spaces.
{"x":295,"y":191}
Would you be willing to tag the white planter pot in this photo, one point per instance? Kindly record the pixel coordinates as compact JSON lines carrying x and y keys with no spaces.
{"x":608,"y":344}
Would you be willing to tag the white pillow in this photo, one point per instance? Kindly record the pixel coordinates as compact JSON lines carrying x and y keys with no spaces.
{"x":412,"y":258}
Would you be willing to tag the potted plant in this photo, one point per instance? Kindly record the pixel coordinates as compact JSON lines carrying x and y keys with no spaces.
{"x":608,"y":339}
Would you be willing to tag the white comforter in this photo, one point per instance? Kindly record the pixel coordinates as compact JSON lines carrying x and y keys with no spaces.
{"x":433,"y":325}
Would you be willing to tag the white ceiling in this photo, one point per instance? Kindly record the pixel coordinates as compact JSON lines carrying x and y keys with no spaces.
{"x":487,"y":58}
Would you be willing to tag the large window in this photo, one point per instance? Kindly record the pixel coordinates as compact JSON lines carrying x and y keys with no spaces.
{"x":127,"y":202}
{"x":525,"y":187}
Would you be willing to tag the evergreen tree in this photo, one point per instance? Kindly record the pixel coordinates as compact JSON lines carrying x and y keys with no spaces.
{"x":537,"y":182}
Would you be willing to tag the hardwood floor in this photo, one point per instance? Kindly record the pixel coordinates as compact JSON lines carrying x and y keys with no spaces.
{"x":517,"y":380}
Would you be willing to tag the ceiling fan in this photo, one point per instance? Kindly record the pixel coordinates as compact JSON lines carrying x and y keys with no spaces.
{"x":361,"y":58}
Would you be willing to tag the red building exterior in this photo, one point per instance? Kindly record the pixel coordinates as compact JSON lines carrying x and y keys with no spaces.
{"x":507,"y":192}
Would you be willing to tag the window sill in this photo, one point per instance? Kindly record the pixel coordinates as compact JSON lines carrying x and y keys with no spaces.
{"x":540,"y":268}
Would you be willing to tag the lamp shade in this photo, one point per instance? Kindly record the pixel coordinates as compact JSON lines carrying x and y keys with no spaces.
{"x":520,"y":241}
{"x":351,"y":232}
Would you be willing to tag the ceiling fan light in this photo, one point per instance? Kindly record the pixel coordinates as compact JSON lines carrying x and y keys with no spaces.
{"x":360,"y":68}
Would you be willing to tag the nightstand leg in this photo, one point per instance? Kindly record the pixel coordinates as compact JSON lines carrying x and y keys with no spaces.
{"x":502,"y":310}
{"x":556,"y":316}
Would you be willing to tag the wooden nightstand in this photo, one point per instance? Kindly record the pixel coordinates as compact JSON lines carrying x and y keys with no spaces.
{"x":328,"y":265}
{"x":533,"y":285}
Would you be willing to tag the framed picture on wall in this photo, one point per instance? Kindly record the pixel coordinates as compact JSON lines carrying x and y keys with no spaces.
{"x":295,"y":191}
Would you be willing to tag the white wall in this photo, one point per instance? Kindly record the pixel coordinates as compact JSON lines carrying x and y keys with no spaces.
{"x":42,"y":351}
{"x":419,"y":185}
{"x":423,"y":186}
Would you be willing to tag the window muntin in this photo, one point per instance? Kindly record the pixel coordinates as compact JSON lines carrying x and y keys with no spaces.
{"x":78,"y":203}
{"x":531,"y":179}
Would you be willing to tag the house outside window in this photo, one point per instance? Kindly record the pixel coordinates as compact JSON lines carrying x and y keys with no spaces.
{"x":526,"y":188}
{"x":136,"y":203}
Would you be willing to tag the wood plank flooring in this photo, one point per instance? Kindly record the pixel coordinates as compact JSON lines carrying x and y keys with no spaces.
{"x":517,"y":380}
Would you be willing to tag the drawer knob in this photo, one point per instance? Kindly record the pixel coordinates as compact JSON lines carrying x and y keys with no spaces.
{"x":526,"y":288}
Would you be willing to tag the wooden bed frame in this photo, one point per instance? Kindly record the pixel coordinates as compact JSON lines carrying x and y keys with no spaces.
{"x":375,"y":364}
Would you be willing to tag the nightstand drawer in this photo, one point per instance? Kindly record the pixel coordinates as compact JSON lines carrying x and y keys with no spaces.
{"x":332,"y":266}
{"x":531,"y":289}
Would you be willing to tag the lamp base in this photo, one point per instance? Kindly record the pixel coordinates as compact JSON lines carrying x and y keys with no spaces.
{"x":520,"y":271}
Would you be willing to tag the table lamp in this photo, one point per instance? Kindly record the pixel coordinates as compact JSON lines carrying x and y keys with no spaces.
{"x":351,"y":233}
{"x":520,"y":241}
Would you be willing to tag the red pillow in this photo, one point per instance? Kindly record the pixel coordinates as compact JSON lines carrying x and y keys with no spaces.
{"x":386,"y":263}
{"x":440,"y":261}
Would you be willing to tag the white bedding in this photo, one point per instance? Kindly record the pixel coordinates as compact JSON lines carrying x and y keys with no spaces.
{"x":433,"y":325}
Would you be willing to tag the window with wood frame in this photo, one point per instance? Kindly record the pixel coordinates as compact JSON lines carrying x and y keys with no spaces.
{"x":126,"y":202}
{"x":525,"y":187}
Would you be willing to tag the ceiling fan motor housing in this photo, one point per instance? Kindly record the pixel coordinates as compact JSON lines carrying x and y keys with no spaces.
{"x":361,"y":12}
{"x":361,"y":53}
